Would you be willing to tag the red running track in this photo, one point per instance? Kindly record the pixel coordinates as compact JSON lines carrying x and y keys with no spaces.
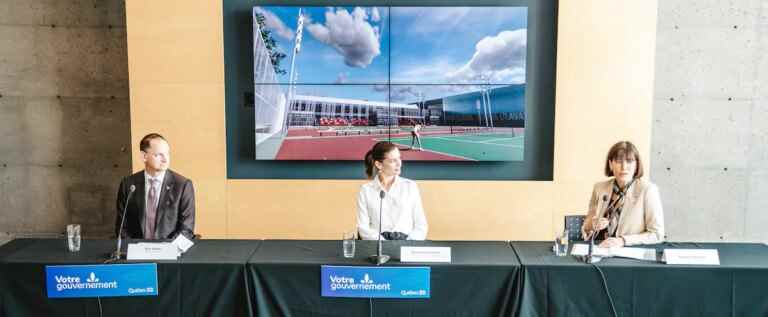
{"x":346,"y":148}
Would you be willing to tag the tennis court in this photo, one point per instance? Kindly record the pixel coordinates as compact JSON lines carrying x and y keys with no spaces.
{"x":480,"y":145}
{"x":439,"y":143}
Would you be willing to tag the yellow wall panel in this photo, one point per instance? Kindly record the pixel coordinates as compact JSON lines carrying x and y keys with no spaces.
{"x":311,"y":209}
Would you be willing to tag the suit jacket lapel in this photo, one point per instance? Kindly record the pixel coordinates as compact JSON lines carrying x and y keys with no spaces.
{"x":605,"y":191}
{"x":162,"y":202}
{"x":141,"y":199}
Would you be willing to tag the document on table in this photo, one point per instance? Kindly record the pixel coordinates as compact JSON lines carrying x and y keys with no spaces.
{"x":644,"y":254}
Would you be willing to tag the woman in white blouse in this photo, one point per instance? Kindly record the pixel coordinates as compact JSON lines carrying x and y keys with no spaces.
{"x":402,"y":214}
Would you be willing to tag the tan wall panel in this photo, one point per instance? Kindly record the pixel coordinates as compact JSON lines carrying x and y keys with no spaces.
{"x":311,"y":209}
{"x":604,"y":91}
{"x":175,"y":65}
{"x":324,"y":209}
{"x":175,"y":41}
{"x":487,"y":210}
{"x":604,"y":83}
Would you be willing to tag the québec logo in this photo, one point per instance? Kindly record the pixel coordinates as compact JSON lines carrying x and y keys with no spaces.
{"x":366,"y":280}
{"x":92,"y":278}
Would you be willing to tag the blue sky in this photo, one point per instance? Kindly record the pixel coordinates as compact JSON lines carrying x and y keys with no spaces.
{"x":418,"y":45}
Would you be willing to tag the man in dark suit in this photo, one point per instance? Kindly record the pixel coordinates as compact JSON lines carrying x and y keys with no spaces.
{"x":163,"y":203}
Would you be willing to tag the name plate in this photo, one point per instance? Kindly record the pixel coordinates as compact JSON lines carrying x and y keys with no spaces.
{"x":425,"y":254}
{"x":374,"y":281}
{"x":105,"y":280}
{"x":692,"y":256}
{"x":152,"y":251}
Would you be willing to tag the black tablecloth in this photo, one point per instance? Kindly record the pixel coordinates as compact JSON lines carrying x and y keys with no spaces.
{"x":482,"y":280}
{"x":563,"y":286}
{"x":209,"y":280}
{"x":281,"y":278}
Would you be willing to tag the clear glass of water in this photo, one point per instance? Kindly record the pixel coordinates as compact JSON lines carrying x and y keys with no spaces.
{"x":561,"y":243}
{"x":73,"y":237}
{"x":348,"y":244}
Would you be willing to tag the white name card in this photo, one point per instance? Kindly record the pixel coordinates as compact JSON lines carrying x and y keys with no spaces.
{"x":425,"y":254}
{"x":182,"y":243}
{"x":692,"y":256}
{"x":152,"y":251}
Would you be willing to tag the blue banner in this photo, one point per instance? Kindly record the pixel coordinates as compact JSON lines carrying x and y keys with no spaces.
{"x":105,"y":280}
{"x":375,"y":281}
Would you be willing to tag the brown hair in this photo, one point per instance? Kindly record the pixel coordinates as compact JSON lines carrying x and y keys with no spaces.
{"x":144,"y":144}
{"x":377,"y":153}
{"x":620,"y":151}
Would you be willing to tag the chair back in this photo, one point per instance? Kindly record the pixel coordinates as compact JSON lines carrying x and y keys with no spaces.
{"x":573,"y":224}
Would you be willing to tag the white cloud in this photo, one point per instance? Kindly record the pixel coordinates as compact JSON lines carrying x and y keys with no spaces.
{"x":350,"y":35}
{"x":275,"y":25}
{"x":404,"y":93}
{"x":342,"y":78}
{"x":380,"y":87}
{"x":433,"y":71}
{"x":499,"y":58}
{"x":375,"y":16}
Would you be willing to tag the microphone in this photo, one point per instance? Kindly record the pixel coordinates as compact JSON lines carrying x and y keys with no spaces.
{"x":379,"y":258}
{"x":116,"y":255}
{"x":590,"y":258}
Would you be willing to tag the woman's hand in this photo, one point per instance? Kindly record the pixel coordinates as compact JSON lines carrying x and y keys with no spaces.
{"x":601,"y":223}
{"x":612,"y":243}
{"x":597,"y":225}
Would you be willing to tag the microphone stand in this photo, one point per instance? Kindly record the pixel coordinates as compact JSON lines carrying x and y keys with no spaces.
{"x":115,"y":256}
{"x":590,"y":257}
{"x":380,"y":258}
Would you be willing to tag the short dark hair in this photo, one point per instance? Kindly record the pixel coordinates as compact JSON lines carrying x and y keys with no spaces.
{"x":377,"y":153}
{"x":623,"y":150}
{"x":144,"y":144}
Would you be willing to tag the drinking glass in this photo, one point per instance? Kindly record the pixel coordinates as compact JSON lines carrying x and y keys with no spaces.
{"x":73,"y":237}
{"x":348,"y":244}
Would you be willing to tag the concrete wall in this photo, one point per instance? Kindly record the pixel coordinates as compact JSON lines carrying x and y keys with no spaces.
{"x":64,"y":115}
{"x":710,"y":119}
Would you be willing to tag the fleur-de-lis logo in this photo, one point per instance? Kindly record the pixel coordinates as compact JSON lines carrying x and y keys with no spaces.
{"x":92,"y":278}
{"x":366,"y":279}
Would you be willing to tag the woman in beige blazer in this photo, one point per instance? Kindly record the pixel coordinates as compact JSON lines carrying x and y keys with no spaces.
{"x":626,"y":209}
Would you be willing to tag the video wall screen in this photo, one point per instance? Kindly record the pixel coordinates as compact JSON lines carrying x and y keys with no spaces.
{"x":444,"y":83}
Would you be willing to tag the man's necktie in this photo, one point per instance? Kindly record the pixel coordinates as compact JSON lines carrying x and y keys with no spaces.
{"x":151,"y":215}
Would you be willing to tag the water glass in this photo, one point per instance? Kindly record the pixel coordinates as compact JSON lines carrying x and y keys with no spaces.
{"x":348,"y":244}
{"x":561,"y":243}
{"x":73,"y":237}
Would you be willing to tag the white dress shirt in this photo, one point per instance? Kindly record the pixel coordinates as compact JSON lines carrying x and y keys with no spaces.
{"x":158,"y":188}
{"x":402,"y":210}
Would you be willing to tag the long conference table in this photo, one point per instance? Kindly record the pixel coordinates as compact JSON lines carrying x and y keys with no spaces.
{"x":484,"y":278}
